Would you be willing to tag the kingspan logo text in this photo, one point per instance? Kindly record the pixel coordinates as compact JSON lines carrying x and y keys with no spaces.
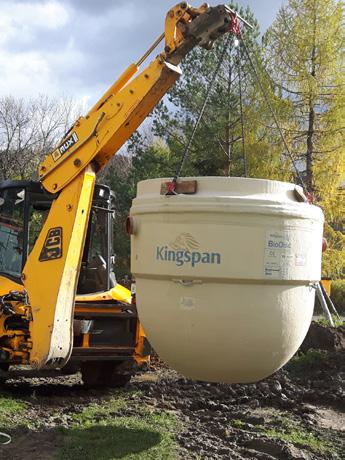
{"x":181,"y":257}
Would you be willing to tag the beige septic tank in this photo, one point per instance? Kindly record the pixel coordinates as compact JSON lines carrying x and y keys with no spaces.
{"x":225,"y":276}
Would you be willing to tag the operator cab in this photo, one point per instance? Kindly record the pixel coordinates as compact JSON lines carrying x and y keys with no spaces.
{"x":24,"y":207}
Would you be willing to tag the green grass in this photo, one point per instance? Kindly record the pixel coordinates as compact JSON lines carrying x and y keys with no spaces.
{"x":119,"y":427}
{"x":104,"y":431}
{"x":11,"y":411}
{"x":292,"y":432}
{"x":236,"y":423}
{"x":337,"y":321}
{"x":308,"y":361}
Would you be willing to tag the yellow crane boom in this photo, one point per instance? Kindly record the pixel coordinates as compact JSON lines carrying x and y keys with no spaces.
{"x":51,"y":272}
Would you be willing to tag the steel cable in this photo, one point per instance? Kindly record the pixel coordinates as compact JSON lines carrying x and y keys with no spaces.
{"x":201,"y":112}
{"x":268,"y":102}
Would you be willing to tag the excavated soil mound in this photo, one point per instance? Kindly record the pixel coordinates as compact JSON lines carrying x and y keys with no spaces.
{"x":299,"y":413}
{"x":324,"y":338}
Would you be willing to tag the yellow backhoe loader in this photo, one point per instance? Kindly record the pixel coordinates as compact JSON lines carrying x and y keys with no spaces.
{"x":60,"y":305}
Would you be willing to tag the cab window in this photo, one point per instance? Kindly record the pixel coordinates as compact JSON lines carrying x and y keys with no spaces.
{"x":12,"y":202}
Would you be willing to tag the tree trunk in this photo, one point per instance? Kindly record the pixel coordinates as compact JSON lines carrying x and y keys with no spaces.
{"x":228,"y":129}
{"x":310,"y":149}
{"x":311,"y":119}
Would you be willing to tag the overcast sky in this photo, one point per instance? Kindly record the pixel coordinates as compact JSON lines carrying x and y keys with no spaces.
{"x":78,"y":47}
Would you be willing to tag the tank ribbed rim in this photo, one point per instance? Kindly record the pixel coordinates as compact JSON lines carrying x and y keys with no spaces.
{"x":229,"y":184}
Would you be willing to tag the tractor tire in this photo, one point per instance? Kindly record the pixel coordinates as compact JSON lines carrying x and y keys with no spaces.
{"x":70,"y":368}
{"x":104,"y":374}
{"x":3,"y":372}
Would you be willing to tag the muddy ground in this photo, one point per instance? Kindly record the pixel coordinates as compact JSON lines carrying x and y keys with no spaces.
{"x":299,"y":413}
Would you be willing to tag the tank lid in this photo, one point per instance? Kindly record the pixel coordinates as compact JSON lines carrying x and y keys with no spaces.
{"x":226,"y":186}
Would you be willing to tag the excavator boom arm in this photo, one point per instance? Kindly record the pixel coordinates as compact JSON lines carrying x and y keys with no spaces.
{"x":69,"y":172}
{"x":101,"y":133}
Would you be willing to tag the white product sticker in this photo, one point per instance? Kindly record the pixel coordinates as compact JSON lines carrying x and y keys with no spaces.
{"x":278,"y":255}
{"x":300,"y":260}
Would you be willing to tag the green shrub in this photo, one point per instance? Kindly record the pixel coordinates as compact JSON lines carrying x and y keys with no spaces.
{"x":333,"y":260}
{"x":308,"y":361}
{"x":323,"y":321}
{"x":338,"y":295}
